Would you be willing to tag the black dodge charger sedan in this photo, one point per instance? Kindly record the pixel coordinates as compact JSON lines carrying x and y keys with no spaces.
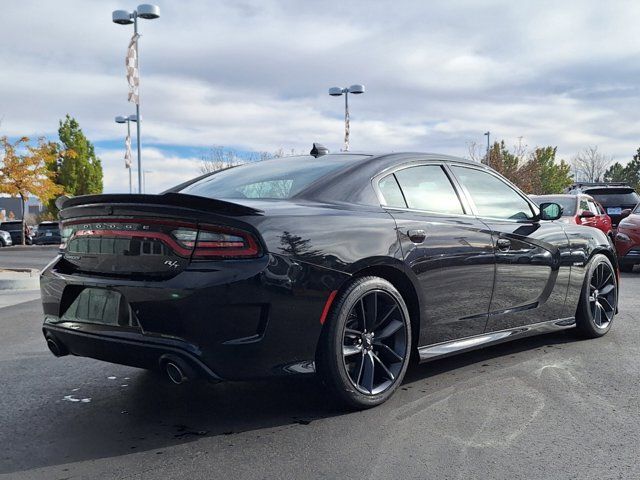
{"x":342,"y":264}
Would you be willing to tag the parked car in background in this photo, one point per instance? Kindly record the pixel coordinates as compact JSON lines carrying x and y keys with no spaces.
{"x":48,"y":233}
{"x":628,"y":241}
{"x":615,"y":197}
{"x":17,"y":231}
{"x":5,"y":239}
{"x":580,"y":210}
{"x":346,"y":265}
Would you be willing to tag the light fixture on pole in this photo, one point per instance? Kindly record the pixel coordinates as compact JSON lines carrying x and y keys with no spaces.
{"x":488,"y":134}
{"x":338,"y":91}
{"x":123,"y":17}
{"x":127,"y":156}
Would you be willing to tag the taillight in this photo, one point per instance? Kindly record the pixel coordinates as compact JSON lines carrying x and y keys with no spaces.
{"x":211,"y":242}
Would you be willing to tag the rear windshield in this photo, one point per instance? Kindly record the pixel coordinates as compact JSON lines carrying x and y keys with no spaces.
{"x":614,"y":197}
{"x":281,"y":178}
{"x":48,"y":226}
{"x":11,"y":226}
{"x":568,"y":204}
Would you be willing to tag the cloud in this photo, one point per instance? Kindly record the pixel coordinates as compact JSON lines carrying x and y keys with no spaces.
{"x":254,"y":74}
{"x":161,"y":171}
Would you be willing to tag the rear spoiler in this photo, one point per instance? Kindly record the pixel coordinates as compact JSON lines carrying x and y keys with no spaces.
{"x":170,"y":199}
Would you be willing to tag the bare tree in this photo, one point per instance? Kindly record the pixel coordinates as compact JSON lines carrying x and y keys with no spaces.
{"x":219,"y":158}
{"x":476,"y":152}
{"x":590,"y":165}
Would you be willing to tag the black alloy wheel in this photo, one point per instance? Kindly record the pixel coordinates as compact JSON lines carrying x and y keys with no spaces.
{"x":599,"y":298}
{"x":365,"y":346}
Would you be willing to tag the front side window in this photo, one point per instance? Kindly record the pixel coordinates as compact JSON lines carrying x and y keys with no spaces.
{"x":427,"y":187}
{"x":593,"y":208}
{"x":492,"y":196}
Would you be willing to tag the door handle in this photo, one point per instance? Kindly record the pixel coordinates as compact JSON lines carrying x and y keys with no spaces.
{"x":503,"y":244}
{"x":416,"y":236}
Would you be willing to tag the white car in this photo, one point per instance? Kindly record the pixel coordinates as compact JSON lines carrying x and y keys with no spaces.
{"x":5,"y":239}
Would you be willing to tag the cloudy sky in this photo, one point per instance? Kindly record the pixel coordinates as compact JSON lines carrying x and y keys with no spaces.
{"x":253,"y":75}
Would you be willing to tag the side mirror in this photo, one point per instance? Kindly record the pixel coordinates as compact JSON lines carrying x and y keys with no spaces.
{"x":550,"y":211}
{"x":586,"y":214}
{"x":625,"y":213}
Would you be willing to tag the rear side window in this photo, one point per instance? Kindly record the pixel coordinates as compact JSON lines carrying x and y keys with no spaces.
{"x":391,"y":193}
{"x":493,"y":197}
{"x":584,"y":206}
{"x":427,"y":187}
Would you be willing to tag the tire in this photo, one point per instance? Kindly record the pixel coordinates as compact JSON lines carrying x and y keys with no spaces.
{"x":359,"y":368}
{"x":598,"y":299}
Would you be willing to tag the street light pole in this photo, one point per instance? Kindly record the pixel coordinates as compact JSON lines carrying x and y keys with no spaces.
{"x":123,"y":17}
{"x":488,"y":134}
{"x":336,"y":92}
{"x":138,"y":122}
{"x":129,"y":137}
{"x":128,"y":120}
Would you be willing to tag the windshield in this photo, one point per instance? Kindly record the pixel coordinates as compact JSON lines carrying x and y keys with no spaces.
{"x":615,"y":197}
{"x":568,"y":204}
{"x":280,"y":178}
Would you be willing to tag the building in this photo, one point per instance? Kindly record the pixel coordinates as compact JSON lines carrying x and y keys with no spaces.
{"x":10,"y":205}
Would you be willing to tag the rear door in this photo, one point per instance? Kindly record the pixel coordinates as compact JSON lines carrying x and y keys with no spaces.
{"x":449,"y":250}
{"x":530,"y":286}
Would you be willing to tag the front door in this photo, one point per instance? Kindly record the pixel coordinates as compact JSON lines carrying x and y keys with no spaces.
{"x":530,"y":285}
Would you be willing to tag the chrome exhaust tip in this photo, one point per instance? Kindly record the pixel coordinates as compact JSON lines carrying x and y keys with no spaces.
{"x":177,"y":370}
{"x":175,"y":373}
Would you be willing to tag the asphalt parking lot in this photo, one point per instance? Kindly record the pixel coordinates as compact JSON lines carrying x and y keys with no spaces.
{"x":547,"y":407}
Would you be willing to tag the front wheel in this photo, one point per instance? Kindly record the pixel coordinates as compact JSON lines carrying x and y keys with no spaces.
{"x":598,"y":299}
{"x":365,"y":346}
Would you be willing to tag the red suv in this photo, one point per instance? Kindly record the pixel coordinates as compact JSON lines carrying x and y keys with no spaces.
{"x":579,"y":209}
{"x":628,"y":241}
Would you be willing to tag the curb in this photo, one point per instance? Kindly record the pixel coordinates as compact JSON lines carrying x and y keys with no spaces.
{"x":24,"y":279}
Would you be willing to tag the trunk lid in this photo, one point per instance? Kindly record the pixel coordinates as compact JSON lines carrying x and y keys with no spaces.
{"x":152,"y":235}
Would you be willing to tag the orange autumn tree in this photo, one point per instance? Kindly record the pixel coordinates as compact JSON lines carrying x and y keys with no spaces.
{"x":26,"y":170}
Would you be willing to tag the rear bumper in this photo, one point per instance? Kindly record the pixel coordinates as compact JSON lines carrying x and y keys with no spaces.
{"x":46,"y":241}
{"x":232,"y":320}
{"x":134,"y":350}
{"x":632,"y":257}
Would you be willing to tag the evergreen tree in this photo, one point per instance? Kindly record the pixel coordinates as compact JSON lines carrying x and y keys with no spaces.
{"x":616,"y":173}
{"x":77,"y":170}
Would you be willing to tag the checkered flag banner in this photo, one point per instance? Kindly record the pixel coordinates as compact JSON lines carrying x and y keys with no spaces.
{"x":127,"y":152}
{"x":347,"y":127}
{"x":131,"y":62}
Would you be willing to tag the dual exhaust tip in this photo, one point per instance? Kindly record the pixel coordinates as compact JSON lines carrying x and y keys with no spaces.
{"x":176,"y":369}
{"x":55,"y":347}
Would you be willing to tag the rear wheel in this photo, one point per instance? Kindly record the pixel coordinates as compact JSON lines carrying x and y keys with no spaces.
{"x":598,"y":299}
{"x":365,"y":346}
